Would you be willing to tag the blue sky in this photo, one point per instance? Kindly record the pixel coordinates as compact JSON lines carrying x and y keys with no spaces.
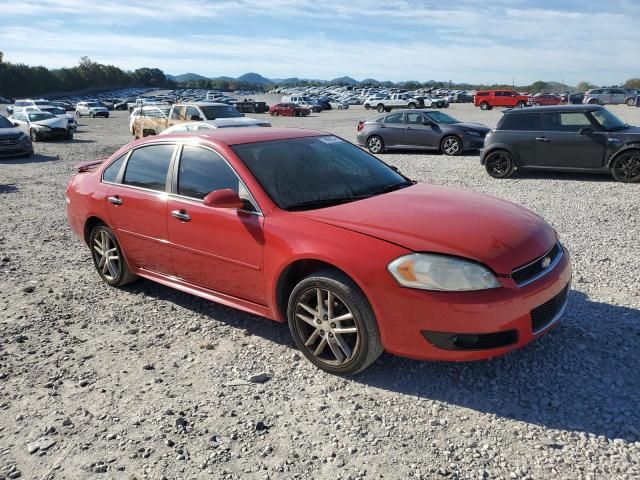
{"x":467,"y":40}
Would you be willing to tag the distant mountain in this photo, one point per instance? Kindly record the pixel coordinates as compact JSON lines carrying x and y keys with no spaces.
{"x":344,"y":81}
{"x":186,"y":77}
{"x":370,"y":81}
{"x":254,"y":78}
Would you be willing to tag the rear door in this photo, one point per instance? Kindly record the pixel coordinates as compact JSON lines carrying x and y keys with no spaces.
{"x":137,"y":206}
{"x":420,"y":135}
{"x":393,"y":130}
{"x":562,"y":145}
{"x":219,"y":249}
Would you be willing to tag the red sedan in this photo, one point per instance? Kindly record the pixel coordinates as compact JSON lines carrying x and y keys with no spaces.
{"x":303,"y":227}
{"x":288,"y":110}
{"x":545,"y":99}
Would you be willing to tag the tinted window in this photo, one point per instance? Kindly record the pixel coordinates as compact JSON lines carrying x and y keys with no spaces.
{"x":395,"y":118}
{"x":147,"y":167}
{"x":203,"y":171}
{"x":4,"y":123}
{"x":521,"y":121}
{"x":212,"y":112}
{"x":192,"y":112}
{"x":178,"y":113}
{"x":110,"y":173}
{"x":566,"y":122}
{"x":415,"y":118}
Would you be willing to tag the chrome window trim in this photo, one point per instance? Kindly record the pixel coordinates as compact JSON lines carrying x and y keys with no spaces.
{"x":551,"y":266}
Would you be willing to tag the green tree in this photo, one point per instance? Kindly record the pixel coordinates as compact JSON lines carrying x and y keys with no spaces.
{"x":631,"y":83}
{"x":539,"y":87}
{"x":583,"y":86}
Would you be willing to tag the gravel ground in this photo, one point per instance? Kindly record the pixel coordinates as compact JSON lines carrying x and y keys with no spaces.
{"x":147,"y":382}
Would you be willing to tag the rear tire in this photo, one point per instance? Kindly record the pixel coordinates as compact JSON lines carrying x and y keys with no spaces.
{"x":593,"y":101}
{"x":626,"y":167}
{"x":631,"y":101}
{"x":69,"y":135}
{"x":375,"y":144}
{"x":412,"y":105}
{"x":380,"y":108}
{"x":340,"y":347}
{"x":108,"y":258}
{"x":485,"y":106}
{"x":499,"y":164}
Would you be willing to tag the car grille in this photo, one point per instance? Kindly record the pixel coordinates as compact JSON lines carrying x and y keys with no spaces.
{"x":549,"y":312}
{"x":9,"y":142}
{"x":539,"y":267}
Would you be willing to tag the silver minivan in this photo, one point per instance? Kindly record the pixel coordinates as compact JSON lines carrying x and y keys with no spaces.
{"x":605,"y":96}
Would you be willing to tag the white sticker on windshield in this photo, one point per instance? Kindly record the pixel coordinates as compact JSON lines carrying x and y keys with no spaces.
{"x":330,"y":139}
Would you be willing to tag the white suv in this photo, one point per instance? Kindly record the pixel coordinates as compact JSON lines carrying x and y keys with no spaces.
{"x":91,"y":109}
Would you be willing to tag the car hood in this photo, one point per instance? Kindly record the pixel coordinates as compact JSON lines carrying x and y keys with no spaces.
{"x":429,"y":218}
{"x":53,"y":122}
{"x":9,"y":132}
{"x":478,"y":127}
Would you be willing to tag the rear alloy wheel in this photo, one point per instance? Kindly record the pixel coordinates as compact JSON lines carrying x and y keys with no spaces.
{"x":626,"y":167}
{"x":451,"y":145}
{"x":375,"y":144}
{"x":108,"y":258}
{"x":333,"y":324}
{"x":484,"y":106}
{"x":380,"y":108}
{"x":631,"y":101}
{"x":594,"y":101}
{"x":34,"y":135}
{"x":499,"y":164}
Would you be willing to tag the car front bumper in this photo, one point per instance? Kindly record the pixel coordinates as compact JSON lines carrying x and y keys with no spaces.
{"x":466,"y":326}
{"x":14,"y":148}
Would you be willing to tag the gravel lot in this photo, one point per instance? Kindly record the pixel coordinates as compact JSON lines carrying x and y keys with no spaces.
{"x":147,"y":382}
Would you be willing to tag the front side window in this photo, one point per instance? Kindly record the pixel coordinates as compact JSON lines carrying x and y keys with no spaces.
{"x":192,"y":112}
{"x":395,"y":118}
{"x":316,"y":172}
{"x":202,"y":172}
{"x":566,"y":121}
{"x":443,"y":118}
{"x":211,"y":112}
{"x":148,"y":166}
{"x":178,"y":113}
{"x":5,"y":123}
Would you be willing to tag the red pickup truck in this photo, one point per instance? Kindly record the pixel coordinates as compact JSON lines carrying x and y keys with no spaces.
{"x":487,"y":99}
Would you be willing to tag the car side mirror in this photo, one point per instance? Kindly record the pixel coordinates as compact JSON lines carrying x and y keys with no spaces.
{"x":195,"y":118}
{"x":225,"y":198}
{"x":586,"y":131}
{"x":15,"y":124}
{"x":427,"y":123}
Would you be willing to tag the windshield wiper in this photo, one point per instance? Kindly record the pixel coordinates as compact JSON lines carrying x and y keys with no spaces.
{"x":393,"y":187}
{"x":323,"y":202}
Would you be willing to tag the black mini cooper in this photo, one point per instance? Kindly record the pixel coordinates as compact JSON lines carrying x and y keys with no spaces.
{"x":572,"y":138}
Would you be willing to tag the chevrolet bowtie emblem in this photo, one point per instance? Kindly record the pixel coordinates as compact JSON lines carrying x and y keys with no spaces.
{"x":546,"y":261}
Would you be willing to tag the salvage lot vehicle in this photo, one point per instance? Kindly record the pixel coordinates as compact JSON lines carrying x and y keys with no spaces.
{"x":288,"y":110}
{"x":606,"y":96}
{"x":148,"y":112}
{"x":13,"y":141}
{"x":397,"y":100}
{"x":214,"y":124}
{"x":91,"y":109}
{"x":582,"y":138}
{"x":545,"y":99}
{"x":487,"y":99}
{"x":421,"y":129}
{"x":258,"y":219}
{"x":42,"y":126}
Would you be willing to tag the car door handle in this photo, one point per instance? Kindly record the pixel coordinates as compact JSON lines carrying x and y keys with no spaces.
{"x":542,"y":139}
{"x":181,"y":215}
{"x":115,"y":199}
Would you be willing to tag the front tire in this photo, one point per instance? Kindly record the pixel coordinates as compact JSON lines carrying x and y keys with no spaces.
{"x":631,"y":101}
{"x":366,"y":106}
{"x":108,"y":258}
{"x":333,"y":324}
{"x":499,"y":164}
{"x":380,"y":108}
{"x":521,"y":104}
{"x":451,"y":146}
{"x":626,"y":167}
{"x":412,"y":105}
{"x":34,"y":135}
{"x":69,"y":135}
{"x":375,"y":144}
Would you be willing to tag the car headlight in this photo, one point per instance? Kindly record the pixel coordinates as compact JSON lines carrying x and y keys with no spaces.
{"x":472,"y":133}
{"x":428,"y":271}
{"x":41,"y":127}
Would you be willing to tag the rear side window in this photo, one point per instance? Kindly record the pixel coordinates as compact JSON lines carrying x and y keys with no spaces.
{"x":482,"y":94}
{"x":148,"y":166}
{"x":395,"y":118}
{"x":202,"y":172}
{"x":521,"y":121}
{"x":566,"y":122}
{"x":177,"y":113}
{"x":110,"y":173}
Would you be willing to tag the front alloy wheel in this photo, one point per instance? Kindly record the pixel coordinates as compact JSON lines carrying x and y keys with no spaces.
{"x":333,"y":324}
{"x":626,"y":168}
{"x":451,"y":146}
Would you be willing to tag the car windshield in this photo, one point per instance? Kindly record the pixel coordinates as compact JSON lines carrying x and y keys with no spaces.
{"x":316,"y":172}
{"x":4,"y":123}
{"x":93,"y":104}
{"x":608,"y":120}
{"x":36,"y":117}
{"x":55,"y":110}
{"x":219,"y":111}
{"x":440,"y":117}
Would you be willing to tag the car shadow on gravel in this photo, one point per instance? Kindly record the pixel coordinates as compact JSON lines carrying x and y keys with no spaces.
{"x":583,"y":376}
{"x":36,"y":158}
{"x":9,"y":188}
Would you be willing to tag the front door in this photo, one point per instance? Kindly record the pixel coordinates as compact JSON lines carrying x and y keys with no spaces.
{"x":420,"y":135}
{"x":393,"y":130}
{"x":216,"y":248}
{"x":562,"y":145}
{"x":138,"y":208}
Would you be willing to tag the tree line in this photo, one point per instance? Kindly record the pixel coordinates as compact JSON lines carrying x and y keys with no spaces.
{"x":20,"y":80}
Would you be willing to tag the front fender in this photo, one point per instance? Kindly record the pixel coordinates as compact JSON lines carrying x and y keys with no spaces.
{"x":635,"y":145}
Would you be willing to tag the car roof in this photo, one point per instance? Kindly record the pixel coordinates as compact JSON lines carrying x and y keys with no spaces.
{"x":239,"y":136}
{"x":554,"y":108}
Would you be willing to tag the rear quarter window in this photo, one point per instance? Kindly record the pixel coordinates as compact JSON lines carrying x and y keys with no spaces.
{"x":521,"y":122}
{"x":110,"y":173}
